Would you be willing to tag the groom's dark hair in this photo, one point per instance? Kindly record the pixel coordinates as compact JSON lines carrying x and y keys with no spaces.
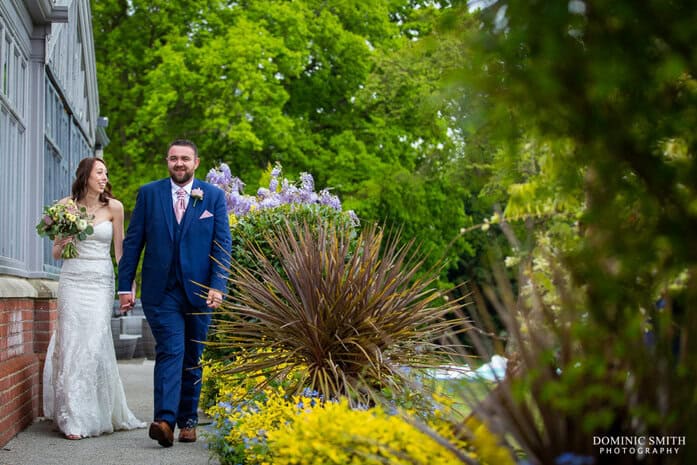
{"x":186,"y":143}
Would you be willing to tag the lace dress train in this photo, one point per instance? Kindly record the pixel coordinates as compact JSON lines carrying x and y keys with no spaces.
{"x":83,"y":392}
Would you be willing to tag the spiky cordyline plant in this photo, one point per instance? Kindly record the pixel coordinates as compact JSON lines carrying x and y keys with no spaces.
{"x":342,"y":310}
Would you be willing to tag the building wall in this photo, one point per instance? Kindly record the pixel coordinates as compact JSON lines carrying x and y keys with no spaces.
{"x":27,"y":320}
{"x":48,"y":122}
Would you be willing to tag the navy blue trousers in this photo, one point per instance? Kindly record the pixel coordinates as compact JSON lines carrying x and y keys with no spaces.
{"x":178,"y":332}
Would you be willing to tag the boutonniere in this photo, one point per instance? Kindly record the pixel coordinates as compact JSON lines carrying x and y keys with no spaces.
{"x":196,"y":194}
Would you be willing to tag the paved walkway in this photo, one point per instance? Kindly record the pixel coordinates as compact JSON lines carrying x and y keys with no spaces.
{"x":40,"y":445}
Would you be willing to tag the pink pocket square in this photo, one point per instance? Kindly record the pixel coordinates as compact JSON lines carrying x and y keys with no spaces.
{"x":205,"y":214}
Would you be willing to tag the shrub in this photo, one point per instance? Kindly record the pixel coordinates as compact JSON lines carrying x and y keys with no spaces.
{"x":253,"y":427}
{"x":254,"y":218}
{"x":337,"y":434}
{"x":279,"y":192}
{"x":251,"y":231}
{"x":341,"y":311}
{"x":242,"y":427}
{"x":239,"y":406}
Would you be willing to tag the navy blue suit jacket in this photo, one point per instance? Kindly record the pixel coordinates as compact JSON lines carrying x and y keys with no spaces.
{"x":205,"y":242}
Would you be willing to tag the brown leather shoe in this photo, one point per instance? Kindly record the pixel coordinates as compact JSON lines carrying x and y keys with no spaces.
{"x":161,"y":432}
{"x":187,"y":434}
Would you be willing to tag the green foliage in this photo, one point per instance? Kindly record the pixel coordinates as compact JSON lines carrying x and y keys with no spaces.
{"x":569,"y":379}
{"x":344,"y":311}
{"x":574,"y":120}
{"x":590,"y":107}
{"x":571,"y":76}
{"x":251,"y":233}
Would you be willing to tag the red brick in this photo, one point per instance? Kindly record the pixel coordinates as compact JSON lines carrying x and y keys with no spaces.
{"x":21,"y":364}
{"x":45,"y":304}
{"x":14,"y":398}
{"x":16,"y":304}
{"x":16,"y":364}
{"x":40,"y":347}
{"x":16,"y":422}
{"x":42,"y":326}
{"x":13,"y":379}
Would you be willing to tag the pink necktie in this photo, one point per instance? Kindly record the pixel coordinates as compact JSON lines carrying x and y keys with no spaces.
{"x":180,"y":205}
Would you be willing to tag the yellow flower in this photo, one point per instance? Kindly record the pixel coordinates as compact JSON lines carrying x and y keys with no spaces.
{"x":337,"y":434}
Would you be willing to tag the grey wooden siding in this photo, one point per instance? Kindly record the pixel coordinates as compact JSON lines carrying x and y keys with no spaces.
{"x":13,"y":146}
{"x":49,"y":107}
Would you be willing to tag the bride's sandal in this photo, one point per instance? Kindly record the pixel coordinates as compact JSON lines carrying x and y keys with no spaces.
{"x":73,"y":437}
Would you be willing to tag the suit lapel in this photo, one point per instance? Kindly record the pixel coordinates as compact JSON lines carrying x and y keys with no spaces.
{"x":165,"y":193}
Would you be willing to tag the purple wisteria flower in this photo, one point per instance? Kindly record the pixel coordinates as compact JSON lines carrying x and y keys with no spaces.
{"x":307,"y":182}
{"x":272,"y":197}
{"x":271,"y":201}
{"x":354,"y":218}
{"x":238,"y":204}
{"x":331,"y":200}
{"x":236,"y":185}
{"x":220,"y":176}
{"x":275,"y":173}
{"x":263,"y":193}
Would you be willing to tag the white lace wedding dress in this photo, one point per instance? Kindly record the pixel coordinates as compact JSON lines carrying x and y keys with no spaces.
{"x":83,"y":393}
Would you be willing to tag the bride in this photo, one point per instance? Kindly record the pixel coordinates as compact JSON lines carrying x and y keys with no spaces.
{"x":83,"y":393}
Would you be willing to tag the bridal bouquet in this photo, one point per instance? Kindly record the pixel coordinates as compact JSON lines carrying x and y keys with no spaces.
{"x":62,"y":220}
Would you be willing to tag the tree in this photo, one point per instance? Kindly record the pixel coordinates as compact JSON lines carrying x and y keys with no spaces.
{"x":600,"y":97}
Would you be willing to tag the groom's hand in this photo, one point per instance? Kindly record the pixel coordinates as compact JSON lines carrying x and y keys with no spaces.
{"x":214,"y":299}
{"x":126,"y":302}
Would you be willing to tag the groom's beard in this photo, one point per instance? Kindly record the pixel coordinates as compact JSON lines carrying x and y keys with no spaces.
{"x":181,"y":177}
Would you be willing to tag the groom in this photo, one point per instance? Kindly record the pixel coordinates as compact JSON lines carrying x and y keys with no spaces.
{"x":183,"y":224}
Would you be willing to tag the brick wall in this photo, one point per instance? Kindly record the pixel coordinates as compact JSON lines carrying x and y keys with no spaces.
{"x":27,"y":319}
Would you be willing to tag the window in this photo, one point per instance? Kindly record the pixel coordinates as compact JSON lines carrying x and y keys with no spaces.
{"x":2,"y":57}
{"x":13,"y":149}
{"x":13,"y":73}
{"x":7,"y":47}
{"x":64,"y":147}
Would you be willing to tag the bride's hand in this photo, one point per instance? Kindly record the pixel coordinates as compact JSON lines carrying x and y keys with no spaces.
{"x":58,"y":246}
{"x":60,"y":243}
{"x":126,"y":303}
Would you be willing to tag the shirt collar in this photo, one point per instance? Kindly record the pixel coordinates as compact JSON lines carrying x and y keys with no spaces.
{"x":187,"y":187}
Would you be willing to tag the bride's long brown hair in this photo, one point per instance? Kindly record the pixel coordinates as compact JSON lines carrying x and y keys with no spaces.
{"x":82,"y":175}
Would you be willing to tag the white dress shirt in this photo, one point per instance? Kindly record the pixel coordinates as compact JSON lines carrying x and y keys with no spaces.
{"x":187,"y":188}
